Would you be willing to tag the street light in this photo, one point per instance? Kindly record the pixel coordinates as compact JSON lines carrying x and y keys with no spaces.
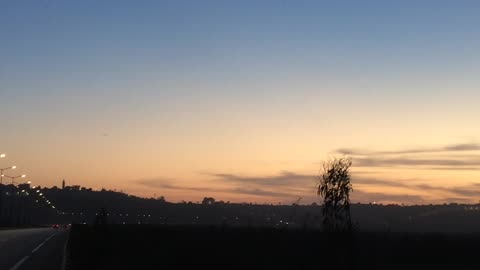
{"x":15,"y":177}
{"x":2,"y":155}
{"x":4,"y":169}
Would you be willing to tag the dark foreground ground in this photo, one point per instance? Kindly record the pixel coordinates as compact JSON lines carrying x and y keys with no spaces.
{"x":184,"y":247}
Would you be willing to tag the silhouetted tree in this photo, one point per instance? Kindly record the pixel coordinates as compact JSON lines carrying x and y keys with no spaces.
{"x":334,"y":187}
{"x":208,"y":201}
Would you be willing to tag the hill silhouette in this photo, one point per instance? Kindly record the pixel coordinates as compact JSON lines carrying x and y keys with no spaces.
{"x":77,"y":204}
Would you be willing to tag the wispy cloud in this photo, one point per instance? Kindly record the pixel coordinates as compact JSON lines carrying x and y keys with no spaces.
{"x":447,"y":157}
{"x":261,"y":192}
{"x":467,"y":191}
{"x":166,"y":184}
{"x":447,"y":148}
{"x":459,"y":168}
{"x":405,"y":161}
{"x":288,"y":185}
{"x":163,"y":183}
{"x":285,"y":178}
{"x":377,"y":182}
{"x":456,"y":200}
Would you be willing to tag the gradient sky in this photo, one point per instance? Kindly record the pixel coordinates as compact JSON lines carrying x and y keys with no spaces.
{"x":242,"y":100}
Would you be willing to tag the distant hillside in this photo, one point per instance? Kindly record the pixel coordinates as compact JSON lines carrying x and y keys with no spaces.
{"x":84,"y":205}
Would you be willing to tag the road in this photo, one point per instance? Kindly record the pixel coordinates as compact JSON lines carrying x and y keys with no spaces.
{"x":29,"y":249}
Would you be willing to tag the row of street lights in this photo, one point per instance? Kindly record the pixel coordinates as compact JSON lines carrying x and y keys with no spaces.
{"x":34,"y":192}
{"x":41,"y":196}
{"x":9,"y":168}
{"x":19,"y":176}
{"x":13,"y":178}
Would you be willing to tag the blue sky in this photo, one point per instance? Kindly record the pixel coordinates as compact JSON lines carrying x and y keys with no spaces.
{"x":202,"y":81}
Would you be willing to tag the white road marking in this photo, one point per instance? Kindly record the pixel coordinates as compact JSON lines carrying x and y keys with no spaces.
{"x":50,"y":237}
{"x":43,"y":243}
{"x":38,"y":247}
{"x":17,"y":265}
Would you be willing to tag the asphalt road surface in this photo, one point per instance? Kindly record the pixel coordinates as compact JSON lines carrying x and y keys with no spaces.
{"x":29,"y":249}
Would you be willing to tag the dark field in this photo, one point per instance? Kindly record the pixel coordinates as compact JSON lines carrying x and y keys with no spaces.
{"x":183,"y":247}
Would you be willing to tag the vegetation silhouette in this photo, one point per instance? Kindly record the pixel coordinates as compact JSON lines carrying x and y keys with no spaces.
{"x":335,"y":187}
{"x":208,"y":201}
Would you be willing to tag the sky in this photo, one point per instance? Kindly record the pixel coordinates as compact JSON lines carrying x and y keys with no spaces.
{"x":243,"y":100}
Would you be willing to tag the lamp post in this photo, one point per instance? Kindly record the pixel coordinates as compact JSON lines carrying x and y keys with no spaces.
{"x":4,"y":169}
{"x":15,"y":177}
{"x":11,"y":217}
{"x":1,"y":185}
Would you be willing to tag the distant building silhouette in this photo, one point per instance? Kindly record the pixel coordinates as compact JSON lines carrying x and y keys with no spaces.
{"x":73,"y":188}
